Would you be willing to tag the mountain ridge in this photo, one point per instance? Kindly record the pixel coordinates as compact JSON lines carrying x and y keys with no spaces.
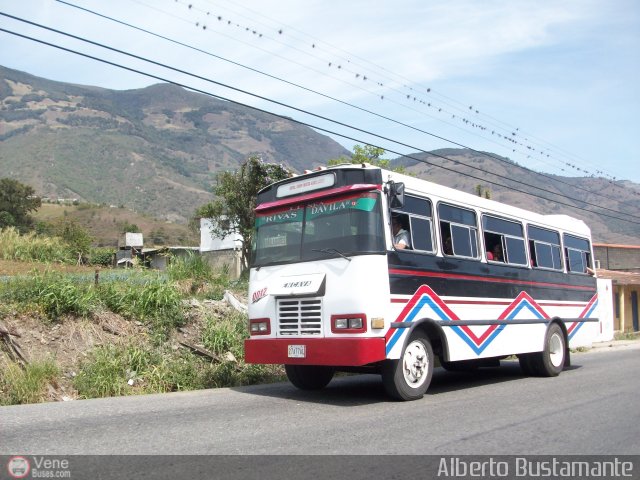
{"x":135,"y":147}
{"x":157,"y":150}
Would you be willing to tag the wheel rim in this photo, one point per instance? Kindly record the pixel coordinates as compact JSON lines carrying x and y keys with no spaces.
{"x":415,"y":364}
{"x":556,"y":350}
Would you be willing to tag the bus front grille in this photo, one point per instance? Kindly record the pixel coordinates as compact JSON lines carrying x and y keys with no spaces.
{"x":300,"y":316}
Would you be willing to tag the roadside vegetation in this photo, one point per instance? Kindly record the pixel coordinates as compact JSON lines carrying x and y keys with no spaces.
{"x":133,"y":331}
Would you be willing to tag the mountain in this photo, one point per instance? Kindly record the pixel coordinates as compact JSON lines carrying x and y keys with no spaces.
{"x":621,"y":196}
{"x":154,"y":149}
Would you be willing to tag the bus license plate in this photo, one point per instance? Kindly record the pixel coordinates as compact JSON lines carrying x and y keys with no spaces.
{"x":297,"y":351}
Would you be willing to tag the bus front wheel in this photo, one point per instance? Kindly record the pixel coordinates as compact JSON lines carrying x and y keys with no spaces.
{"x":309,"y":377}
{"x":408,"y":377}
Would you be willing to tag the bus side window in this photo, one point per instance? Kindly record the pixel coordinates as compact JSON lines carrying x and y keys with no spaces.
{"x":545,"y":248}
{"x":458,"y":231}
{"x":416,"y":219}
{"x":504,"y":240}
{"x":577,"y":253}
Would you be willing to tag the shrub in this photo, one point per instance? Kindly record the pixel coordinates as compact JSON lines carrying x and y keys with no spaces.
{"x":114,"y":370}
{"x":149,"y":298}
{"x":26,"y":385}
{"x":102,"y":256}
{"x":55,"y":293}
{"x":31,"y":247}
{"x":191,"y":266}
{"x":221,"y":335}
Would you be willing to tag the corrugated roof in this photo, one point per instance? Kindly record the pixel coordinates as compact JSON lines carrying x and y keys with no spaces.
{"x":619,"y":278}
{"x":610,"y":245}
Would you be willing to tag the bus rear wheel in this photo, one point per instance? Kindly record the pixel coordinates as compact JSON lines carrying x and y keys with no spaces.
{"x":309,"y":377}
{"x":551,"y":361}
{"x":408,"y":377}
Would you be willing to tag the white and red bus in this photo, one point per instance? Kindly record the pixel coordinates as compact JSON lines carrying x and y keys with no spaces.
{"x":478,"y":281}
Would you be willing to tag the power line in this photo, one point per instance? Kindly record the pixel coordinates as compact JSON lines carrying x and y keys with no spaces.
{"x":512,"y":136}
{"x":157,"y":77}
{"x":511,"y":132}
{"x":487,"y":154}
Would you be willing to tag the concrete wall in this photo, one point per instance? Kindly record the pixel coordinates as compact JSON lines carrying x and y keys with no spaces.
{"x":605,"y":310}
{"x":613,"y":257}
{"x":230,"y":259}
{"x":210,"y":243}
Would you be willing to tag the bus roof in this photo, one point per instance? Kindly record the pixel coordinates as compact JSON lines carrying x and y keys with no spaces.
{"x":415,"y":185}
{"x":437,"y":192}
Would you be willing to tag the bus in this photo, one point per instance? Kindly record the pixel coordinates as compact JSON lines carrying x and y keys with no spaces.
{"x":359,"y":269}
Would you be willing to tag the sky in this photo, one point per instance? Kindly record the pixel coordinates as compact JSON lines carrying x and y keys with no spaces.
{"x":553,"y":85}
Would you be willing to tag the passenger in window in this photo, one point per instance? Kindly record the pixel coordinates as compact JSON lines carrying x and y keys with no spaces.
{"x":401,"y":238}
{"x":496,"y":253}
{"x":447,"y":248}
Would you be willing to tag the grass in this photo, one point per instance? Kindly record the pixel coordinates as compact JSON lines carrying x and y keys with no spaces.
{"x":115,"y":370}
{"x":151,"y":299}
{"x":130,"y":369}
{"x":146,"y":364}
{"x":34,"y":248}
{"x":26,"y":385}
{"x":196,"y":277}
{"x":9,"y":268}
{"x":626,"y":336}
{"x":39,"y":249}
{"x":190,"y":266}
{"x":51,"y":292}
{"x":222,"y":335}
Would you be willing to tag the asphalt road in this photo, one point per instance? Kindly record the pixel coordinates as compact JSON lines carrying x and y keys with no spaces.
{"x":592,"y":408}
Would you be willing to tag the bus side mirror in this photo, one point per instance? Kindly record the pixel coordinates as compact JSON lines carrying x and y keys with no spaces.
{"x":396,"y":195}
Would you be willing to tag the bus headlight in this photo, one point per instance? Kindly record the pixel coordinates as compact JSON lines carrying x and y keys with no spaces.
{"x":259,"y":326}
{"x":350,"y":323}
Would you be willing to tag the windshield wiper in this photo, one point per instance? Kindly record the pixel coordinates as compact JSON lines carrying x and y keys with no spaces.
{"x":331,"y":250}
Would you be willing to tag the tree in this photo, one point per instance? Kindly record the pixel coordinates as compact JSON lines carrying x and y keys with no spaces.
{"x":367,"y":154}
{"x":75,"y":235}
{"x":482,"y":191}
{"x":17,"y":200}
{"x":127,"y":227}
{"x":232,"y":211}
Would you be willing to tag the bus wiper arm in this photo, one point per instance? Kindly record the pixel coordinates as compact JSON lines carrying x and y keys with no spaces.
{"x":331,"y":250}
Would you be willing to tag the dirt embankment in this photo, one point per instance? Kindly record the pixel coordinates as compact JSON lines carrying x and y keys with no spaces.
{"x":69,"y":341}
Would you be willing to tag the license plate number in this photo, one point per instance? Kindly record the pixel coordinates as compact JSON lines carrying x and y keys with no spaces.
{"x":297,"y":351}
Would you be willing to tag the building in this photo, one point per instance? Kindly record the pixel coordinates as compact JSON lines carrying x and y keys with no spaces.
{"x":221,"y":253}
{"x":625,"y":258}
{"x":626,"y":290}
{"x":621,"y":265}
{"x":129,"y":247}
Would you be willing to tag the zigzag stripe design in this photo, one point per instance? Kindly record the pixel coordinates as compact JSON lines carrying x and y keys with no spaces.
{"x":426,"y":297}
{"x":588,"y":310}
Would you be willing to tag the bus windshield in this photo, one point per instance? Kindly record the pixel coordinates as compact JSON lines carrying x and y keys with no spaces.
{"x":326,"y":228}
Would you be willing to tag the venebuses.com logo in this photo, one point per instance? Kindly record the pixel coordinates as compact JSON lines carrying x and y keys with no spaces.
{"x":18,"y":467}
{"x":38,"y":467}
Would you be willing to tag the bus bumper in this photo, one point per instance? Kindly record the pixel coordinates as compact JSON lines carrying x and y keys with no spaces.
{"x":346,"y":352}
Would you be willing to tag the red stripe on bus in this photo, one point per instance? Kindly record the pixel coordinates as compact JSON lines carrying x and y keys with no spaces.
{"x":320,"y":194}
